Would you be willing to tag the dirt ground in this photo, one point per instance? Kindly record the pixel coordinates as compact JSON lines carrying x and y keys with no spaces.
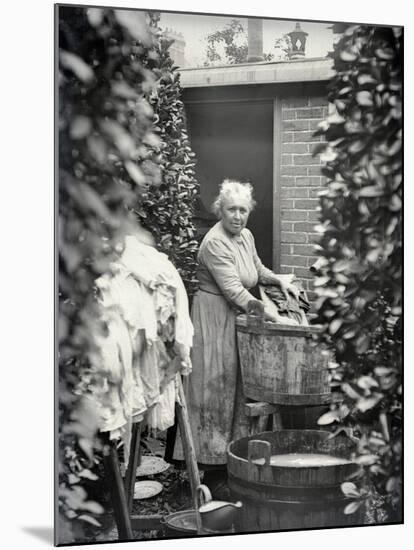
{"x":174,"y":497}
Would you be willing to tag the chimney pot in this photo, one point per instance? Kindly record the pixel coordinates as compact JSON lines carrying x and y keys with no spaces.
{"x":255,"y":40}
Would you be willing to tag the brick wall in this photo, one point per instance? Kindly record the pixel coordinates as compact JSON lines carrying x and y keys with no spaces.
{"x":300,"y":181}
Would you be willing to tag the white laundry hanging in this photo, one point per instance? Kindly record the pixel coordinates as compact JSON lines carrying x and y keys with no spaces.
{"x":140,"y":295}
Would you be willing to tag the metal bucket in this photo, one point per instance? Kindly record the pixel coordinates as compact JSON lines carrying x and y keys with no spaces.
{"x":181,"y":524}
{"x":184,"y":524}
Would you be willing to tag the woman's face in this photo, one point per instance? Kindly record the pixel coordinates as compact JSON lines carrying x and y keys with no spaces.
{"x":234,"y":214}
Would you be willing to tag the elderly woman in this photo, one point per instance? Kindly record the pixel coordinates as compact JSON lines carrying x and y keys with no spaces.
{"x":228,"y":267}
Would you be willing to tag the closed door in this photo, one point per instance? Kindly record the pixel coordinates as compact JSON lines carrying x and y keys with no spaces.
{"x":235,"y":140}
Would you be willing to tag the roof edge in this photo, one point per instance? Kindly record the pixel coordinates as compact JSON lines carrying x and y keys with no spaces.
{"x":298,"y":70}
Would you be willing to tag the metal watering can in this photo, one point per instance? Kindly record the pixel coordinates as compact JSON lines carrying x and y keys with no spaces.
{"x":215,"y":515}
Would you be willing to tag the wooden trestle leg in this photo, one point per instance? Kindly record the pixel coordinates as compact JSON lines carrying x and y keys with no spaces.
{"x":133,"y":463}
{"x":122,"y":493}
{"x":187,"y":441}
{"x":116,"y":487}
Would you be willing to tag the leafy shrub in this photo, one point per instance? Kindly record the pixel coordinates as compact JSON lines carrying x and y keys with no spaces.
{"x":360,"y":276}
{"x":124,"y":157}
{"x":104,"y":122}
{"x":167,"y":209}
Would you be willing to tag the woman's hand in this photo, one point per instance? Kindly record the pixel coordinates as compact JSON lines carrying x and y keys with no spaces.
{"x":286,"y":287}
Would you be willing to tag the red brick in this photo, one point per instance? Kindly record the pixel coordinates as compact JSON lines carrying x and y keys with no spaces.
{"x":287,"y":137}
{"x":314,"y":170}
{"x":308,"y":204}
{"x":287,"y":160}
{"x":294,"y":260}
{"x":302,"y":272}
{"x":313,"y":193}
{"x":310,"y":112}
{"x":293,"y":171}
{"x":296,"y":125}
{"x":295,"y":192}
{"x":286,"y":248}
{"x":308,"y":227}
{"x":290,"y":237}
{"x":305,"y":137}
{"x":311,"y":259}
{"x":303,"y":250}
{"x":288,"y":204}
{"x":308,"y":181}
{"x":313,"y":146}
{"x":287,"y":226}
{"x":313,"y":238}
{"x":289,"y":114}
{"x":285,"y":269}
{"x":295,"y":148}
{"x":287,"y":181}
{"x":303,"y":283}
{"x":305,"y":160}
{"x":319,"y":101}
{"x":295,"y":215}
{"x":314,"y":216}
{"x":295,"y":102}
{"x":314,"y":124}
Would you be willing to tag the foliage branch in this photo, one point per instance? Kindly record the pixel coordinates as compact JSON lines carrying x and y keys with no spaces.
{"x":360,"y":267}
{"x":110,"y":155}
{"x":167,"y":209}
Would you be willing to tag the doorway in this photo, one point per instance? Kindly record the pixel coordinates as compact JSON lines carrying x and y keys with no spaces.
{"x":234,"y":139}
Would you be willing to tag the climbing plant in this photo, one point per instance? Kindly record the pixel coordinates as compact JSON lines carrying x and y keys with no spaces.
{"x":105,"y":124}
{"x":360,"y":276}
{"x":124,"y":162}
{"x":167,"y":209}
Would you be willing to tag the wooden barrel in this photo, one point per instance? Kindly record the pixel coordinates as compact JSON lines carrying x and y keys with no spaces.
{"x":284,"y":497}
{"x":281,"y":363}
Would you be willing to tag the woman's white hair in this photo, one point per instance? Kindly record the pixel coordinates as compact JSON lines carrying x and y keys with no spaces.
{"x":230,"y":189}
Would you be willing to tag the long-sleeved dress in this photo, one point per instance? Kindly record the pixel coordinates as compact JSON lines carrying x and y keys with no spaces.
{"x":228,"y":267}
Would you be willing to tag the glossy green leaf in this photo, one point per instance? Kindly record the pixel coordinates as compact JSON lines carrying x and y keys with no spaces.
{"x":366,"y":403}
{"x":367,"y":460}
{"x":350,"y":489}
{"x":352,"y":507}
{"x":89,"y":519}
{"x":95,"y":16}
{"x":135,"y":172}
{"x":364,"y":98}
{"x":77,"y":65}
{"x":80,"y":127}
{"x":328,"y":418}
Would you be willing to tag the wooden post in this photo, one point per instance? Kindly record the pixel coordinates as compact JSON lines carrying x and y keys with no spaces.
{"x":277,"y":420}
{"x":169,"y":445}
{"x":187,"y":442}
{"x":259,"y":413}
{"x":134,"y":459}
{"x":117,"y":489}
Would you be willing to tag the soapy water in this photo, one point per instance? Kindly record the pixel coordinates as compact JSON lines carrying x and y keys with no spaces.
{"x":303,"y":460}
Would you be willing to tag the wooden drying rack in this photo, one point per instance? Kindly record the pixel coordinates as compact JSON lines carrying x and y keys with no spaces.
{"x":122,"y":490}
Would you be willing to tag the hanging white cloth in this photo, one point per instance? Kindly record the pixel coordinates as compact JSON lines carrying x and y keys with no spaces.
{"x":140,"y":296}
